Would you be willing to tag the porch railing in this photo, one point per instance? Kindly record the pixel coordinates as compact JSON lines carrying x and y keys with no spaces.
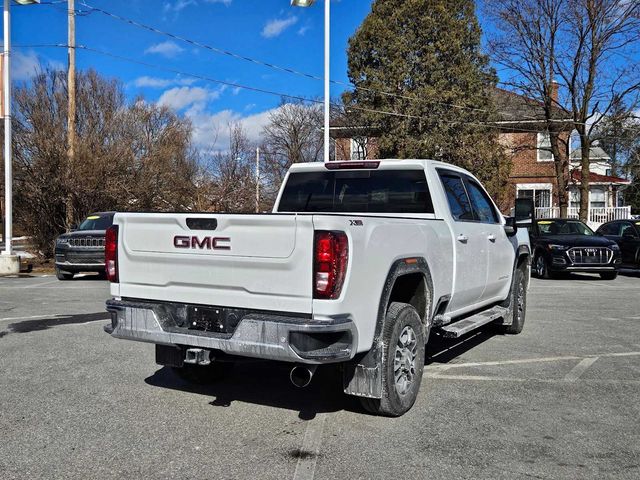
{"x":596,"y":215}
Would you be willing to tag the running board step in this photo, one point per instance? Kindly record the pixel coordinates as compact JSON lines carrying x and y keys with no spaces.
{"x":460,"y":327}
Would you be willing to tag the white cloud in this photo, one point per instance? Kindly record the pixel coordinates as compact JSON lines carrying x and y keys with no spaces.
{"x":168,"y":49}
{"x":182,"y":97}
{"x":178,"y":5}
{"x":24,"y":65}
{"x":273,"y":28}
{"x":154,"y":82}
{"x":303,"y":30}
{"x":211,"y":130}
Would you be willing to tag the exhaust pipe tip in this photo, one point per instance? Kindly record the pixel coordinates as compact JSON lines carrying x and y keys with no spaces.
{"x":301,"y":375}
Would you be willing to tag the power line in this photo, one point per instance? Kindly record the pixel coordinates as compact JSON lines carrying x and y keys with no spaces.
{"x":278,"y":67}
{"x":284,"y":69}
{"x":295,"y":97}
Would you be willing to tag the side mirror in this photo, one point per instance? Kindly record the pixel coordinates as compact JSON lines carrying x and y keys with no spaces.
{"x":524,"y":211}
{"x":510,"y":226}
{"x":74,"y":227}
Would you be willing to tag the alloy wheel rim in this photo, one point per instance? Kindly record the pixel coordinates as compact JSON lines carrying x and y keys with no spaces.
{"x":404,"y":364}
{"x":520,"y":301}
{"x":540,"y":266}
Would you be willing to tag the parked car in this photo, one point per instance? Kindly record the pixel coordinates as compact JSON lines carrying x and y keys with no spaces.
{"x":626,"y":233}
{"x":563,"y":245}
{"x":82,"y":250}
{"x":357,"y":264}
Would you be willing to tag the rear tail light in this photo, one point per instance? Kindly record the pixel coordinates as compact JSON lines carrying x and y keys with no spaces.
{"x":330,"y":264}
{"x":111,"y":253}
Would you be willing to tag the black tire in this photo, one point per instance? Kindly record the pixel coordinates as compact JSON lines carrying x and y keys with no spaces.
{"x":405,"y":354}
{"x":609,"y":275}
{"x":62,"y":275}
{"x":201,"y":374}
{"x":541,"y":267}
{"x":517,"y":303}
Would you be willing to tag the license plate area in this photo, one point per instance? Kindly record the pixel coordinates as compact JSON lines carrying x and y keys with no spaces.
{"x":213,"y":319}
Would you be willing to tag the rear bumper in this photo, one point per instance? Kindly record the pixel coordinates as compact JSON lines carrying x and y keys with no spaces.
{"x":258,"y":335}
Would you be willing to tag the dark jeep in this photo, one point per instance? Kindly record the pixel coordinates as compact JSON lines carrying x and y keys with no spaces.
{"x":82,"y":250}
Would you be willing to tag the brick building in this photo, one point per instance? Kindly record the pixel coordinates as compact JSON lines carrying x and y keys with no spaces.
{"x":522,"y":133}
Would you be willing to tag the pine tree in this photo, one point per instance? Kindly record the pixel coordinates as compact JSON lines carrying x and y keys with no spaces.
{"x":421,"y":62}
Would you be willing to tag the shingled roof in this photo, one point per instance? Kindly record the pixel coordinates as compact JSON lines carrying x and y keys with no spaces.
{"x":516,"y":110}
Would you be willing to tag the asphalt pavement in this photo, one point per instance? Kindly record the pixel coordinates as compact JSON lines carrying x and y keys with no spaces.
{"x":559,"y":401}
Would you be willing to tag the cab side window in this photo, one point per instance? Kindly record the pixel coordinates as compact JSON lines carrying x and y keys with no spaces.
{"x":481,"y":203}
{"x":457,"y":197}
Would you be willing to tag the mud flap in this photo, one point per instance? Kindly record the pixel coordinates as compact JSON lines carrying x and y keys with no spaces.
{"x":362,"y":376}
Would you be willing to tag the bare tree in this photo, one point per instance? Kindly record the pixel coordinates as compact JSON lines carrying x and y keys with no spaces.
{"x":128,"y":156}
{"x":526,"y":43}
{"x":228,"y":178}
{"x":597,"y":68}
{"x":589,"y":46}
{"x":293,"y":135}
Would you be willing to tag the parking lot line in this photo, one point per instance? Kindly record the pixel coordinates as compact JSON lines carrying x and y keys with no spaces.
{"x":440,"y":368}
{"x":579,"y":369}
{"x":308,"y":453}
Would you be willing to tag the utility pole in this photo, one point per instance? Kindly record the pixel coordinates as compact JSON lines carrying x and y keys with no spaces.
{"x":71,"y":110}
{"x":258,"y":180}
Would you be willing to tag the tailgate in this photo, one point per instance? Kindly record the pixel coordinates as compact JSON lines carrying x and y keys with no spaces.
{"x":261,"y":262}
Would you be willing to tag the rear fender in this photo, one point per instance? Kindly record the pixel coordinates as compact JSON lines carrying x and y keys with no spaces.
{"x":362,"y":376}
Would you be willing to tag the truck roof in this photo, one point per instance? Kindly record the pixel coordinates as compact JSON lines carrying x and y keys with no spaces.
{"x":383,"y":164}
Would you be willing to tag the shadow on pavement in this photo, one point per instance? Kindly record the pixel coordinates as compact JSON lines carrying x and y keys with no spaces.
{"x":267,"y":383}
{"x":443,"y":350}
{"x":46,"y":323}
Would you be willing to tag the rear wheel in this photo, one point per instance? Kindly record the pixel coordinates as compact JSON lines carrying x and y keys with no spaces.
{"x":62,"y":275}
{"x":609,"y":275}
{"x":403,"y":347}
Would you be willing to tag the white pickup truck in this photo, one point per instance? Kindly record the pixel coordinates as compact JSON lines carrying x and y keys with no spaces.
{"x":357,"y":264}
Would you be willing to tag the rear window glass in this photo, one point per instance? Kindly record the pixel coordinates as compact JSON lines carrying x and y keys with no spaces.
{"x":96,"y":222}
{"x":373,"y":191}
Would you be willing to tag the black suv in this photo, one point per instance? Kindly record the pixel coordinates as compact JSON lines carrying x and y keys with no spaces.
{"x":566,"y":245}
{"x":626,"y":233}
{"x":82,"y":250}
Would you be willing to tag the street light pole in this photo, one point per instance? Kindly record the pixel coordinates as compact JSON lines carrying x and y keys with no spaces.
{"x":327,"y":84}
{"x":327,"y":69}
{"x":9,"y":263}
{"x":8,"y":194}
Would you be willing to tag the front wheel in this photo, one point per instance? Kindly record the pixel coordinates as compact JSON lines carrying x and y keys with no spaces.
{"x":541,"y":267}
{"x":403,"y":347}
{"x":609,"y":275}
{"x":518,"y":303}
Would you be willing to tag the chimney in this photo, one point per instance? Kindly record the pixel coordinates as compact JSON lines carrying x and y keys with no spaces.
{"x":554,"y":92}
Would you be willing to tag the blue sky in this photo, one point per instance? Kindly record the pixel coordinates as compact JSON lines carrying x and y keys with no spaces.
{"x":268,"y":30}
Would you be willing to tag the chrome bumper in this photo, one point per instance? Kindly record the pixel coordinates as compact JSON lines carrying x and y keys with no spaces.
{"x":258,"y":335}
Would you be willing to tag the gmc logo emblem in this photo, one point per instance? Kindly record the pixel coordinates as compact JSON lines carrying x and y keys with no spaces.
{"x":206,"y":243}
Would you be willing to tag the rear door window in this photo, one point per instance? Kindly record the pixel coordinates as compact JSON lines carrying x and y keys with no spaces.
{"x":457,"y":197}
{"x":481,"y":203}
{"x":366,"y":191}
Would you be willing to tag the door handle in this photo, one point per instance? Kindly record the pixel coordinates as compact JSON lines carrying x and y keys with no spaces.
{"x":492,"y":238}
{"x":462,"y":238}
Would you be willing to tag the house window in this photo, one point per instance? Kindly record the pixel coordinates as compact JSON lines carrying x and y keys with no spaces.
{"x":597,"y":198}
{"x":541,"y":197}
{"x":608,"y":172}
{"x":544,"y":147}
{"x":359,"y":148}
